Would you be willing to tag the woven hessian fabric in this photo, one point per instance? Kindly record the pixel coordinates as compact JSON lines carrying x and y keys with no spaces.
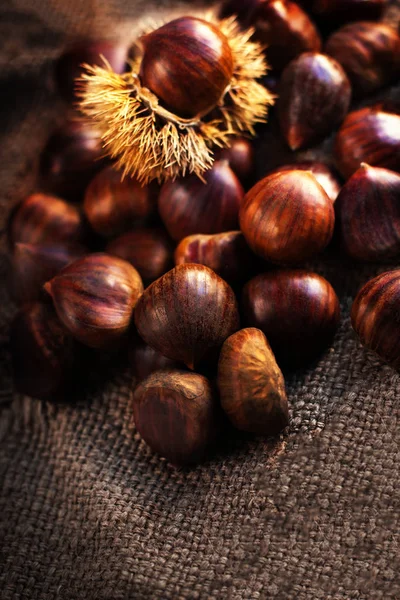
{"x":88,"y":513}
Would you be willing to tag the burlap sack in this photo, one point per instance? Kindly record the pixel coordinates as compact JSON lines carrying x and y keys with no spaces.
{"x":87,"y":512}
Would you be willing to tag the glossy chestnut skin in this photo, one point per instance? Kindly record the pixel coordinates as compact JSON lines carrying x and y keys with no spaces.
{"x":189,"y":206}
{"x":323,"y":173}
{"x":33,"y":265}
{"x":69,"y":65}
{"x":94,"y":298}
{"x":297,"y":310}
{"x":150,"y":251}
{"x":287,"y":217}
{"x":42,"y":351}
{"x":251,"y":385}
{"x":187,"y":64}
{"x":144,"y":360}
{"x":112,"y":205}
{"x":368,"y":214}
{"x":176,"y":413}
{"x":72,"y":157}
{"x":368,"y":136}
{"x":44,"y":219}
{"x":282,"y":26}
{"x":187,"y":313}
{"x":240,"y":157}
{"x":225,"y":253}
{"x":314,"y":97}
{"x":375,"y":316}
{"x":369,"y":53}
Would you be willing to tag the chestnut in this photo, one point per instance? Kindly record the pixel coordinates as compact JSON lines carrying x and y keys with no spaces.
{"x":150,"y":251}
{"x":298,"y":311}
{"x":189,"y":205}
{"x":69,"y":66}
{"x":177,"y":415}
{"x":287,"y":217}
{"x":369,"y":53}
{"x":44,"y":219}
{"x":186,"y":313}
{"x":314,"y":97}
{"x":280,"y":25}
{"x":113,"y":204}
{"x":251,"y":384}
{"x":240,"y":157}
{"x":33,"y":265}
{"x":71,"y":158}
{"x":368,"y":214}
{"x":375,"y":316}
{"x":368,"y":136}
{"x":42,"y":352}
{"x":323,"y":173}
{"x":144,"y":360}
{"x":188,"y":83}
{"x":225,"y":253}
{"x":94,"y":298}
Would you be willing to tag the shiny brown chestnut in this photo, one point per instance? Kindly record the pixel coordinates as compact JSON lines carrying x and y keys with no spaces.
{"x":177,"y":415}
{"x":297,"y":310}
{"x":323,"y":173}
{"x":369,"y":53}
{"x":187,"y":313}
{"x":144,"y":360}
{"x":368,"y":136}
{"x":368,"y":214}
{"x":150,"y":251}
{"x":225,"y":253}
{"x":44,"y":219}
{"x":188,"y":83}
{"x":42,"y":352}
{"x":94,"y":298}
{"x":314,"y":97}
{"x":287,"y":217}
{"x":240,"y":157}
{"x":112,"y":204}
{"x":375,"y":316}
{"x":33,"y":265}
{"x":251,"y":385}
{"x":188,"y":205}
{"x":69,"y":66}
{"x":73,"y":155}
{"x":282,"y":26}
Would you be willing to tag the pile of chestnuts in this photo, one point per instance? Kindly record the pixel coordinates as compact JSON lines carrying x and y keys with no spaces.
{"x":198,"y":286}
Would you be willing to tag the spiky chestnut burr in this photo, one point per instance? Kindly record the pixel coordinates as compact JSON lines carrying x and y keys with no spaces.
{"x":193,"y":87}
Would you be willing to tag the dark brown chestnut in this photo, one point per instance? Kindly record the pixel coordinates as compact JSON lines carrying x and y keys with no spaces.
{"x":368,"y":211}
{"x":375,"y":316}
{"x":369,"y":53}
{"x":94,"y":298}
{"x":69,"y":65}
{"x":189,"y":206}
{"x":73,"y":155}
{"x":44,"y":219}
{"x":323,"y":173}
{"x":186,"y":313}
{"x":42,"y":352}
{"x":314,"y":97}
{"x":240,"y":157}
{"x":298,"y":311}
{"x":251,"y":384}
{"x":368,"y":136}
{"x":177,"y":415}
{"x":112,"y":204}
{"x":225,"y":253}
{"x":144,"y":360}
{"x":287,"y":217}
{"x":282,"y":26}
{"x":150,"y":251}
{"x":33,"y":265}
{"x":188,"y":64}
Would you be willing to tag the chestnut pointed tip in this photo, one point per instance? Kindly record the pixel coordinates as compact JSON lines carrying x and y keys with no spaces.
{"x":190,"y":364}
{"x":48,"y":287}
